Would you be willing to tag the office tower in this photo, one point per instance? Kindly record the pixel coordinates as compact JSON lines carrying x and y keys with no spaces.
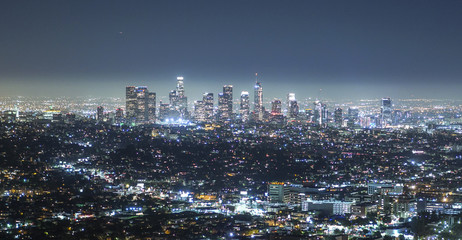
{"x":385,"y":112}
{"x":258,"y":101}
{"x":164,"y":109}
{"x":225,"y":103}
{"x":222,"y":108}
{"x":178,"y":101}
{"x":140,"y":104}
{"x":99,"y":114}
{"x":199,"y":111}
{"x":130,"y":102}
{"x":276,"y":107}
{"x":119,"y":116}
{"x":338,"y":117}
{"x":324,"y":114}
{"x":151,"y":107}
{"x":321,"y":114}
{"x":182,"y":100}
{"x":292,"y":106}
{"x":244,"y":106}
{"x":228,"y":97}
{"x":353,"y":116}
{"x":208,"y":106}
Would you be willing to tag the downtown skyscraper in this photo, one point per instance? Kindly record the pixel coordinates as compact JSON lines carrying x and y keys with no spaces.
{"x":178,"y":100}
{"x":258,"y":101}
{"x":292,"y":106}
{"x":140,"y":104}
{"x":244,"y":106}
{"x":385,"y":112}
{"x":225,"y":103}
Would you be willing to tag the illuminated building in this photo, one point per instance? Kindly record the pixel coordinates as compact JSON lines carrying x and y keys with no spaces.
{"x":182,"y":99}
{"x":199,"y":111}
{"x":151,"y":107}
{"x":327,"y":207}
{"x":225,"y":103}
{"x":321,"y":114}
{"x":244,"y":106}
{"x":258,"y":101}
{"x":276,"y":192}
{"x":338,"y":117}
{"x":385,"y":112}
{"x":119,"y":115}
{"x":178,"y":101}
{"x":353,"y":116}
{"x":208,"y":106}
{"x":99,"y":114}
{"x":276,"y":107}
{"x":292,"y":106}
{"x":164,"y":109}
{"x":140,"y":104}
{"x":130,"y":102}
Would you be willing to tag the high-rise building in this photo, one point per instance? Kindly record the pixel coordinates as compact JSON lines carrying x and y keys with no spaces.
{"x":178,"y":101}
{"x":244,"y":106}
{"x":228,"y":96}
{"x":130,"y":102}
{"x":208,"y":106}
{"x":258,"y":101}
{"x":119,"y":115}
{"x":353,"y":116}
{"x":225,"y":103}
{"x":292,"y":106}
{"x":385,"y":112}
{"x":99,"y":114}
{"x":199,"y":111}
{"x":182,"y":100}
{"x":142,"y":113}
{"x":164,"y":109}
{"x":276,"y":107}
{"x":151,"y":107}
{"x":140,"y":104}
{"x":338,"y":117}
{"x":321,"y":114}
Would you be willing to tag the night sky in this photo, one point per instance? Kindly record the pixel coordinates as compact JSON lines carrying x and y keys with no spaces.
{"x":350,"y":49}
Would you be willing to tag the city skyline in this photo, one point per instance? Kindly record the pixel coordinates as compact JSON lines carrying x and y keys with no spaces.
{"x":358,"y":49}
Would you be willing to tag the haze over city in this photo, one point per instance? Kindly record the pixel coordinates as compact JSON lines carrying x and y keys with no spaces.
{"x":350,"y":49}
{"x":239,"y":120}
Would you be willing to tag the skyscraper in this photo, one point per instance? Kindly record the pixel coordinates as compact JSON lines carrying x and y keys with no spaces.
{"x":181,"y":98}
{"x":99,"y":114}
{"x":321,"y":115}
{"x":338,"y":117}
{"x":276,"y":107}
{"x":292,"y":106}
{"x":151,"y":107}
{"x":225,"y":103}
{"x":140,"y":104}
{"x":119,"y":115}
{"x":130,"y":102}
{"x":164,"y":109}
{"x":353,"y":116}
{"x":142,"y":113}
{"x":244,"y":106}
{"x":258,"y":101}
{"x":208,"y":106}
{"x":199,"y":111}
{"x":385,"y":112}
{"x":228,"y":95}
{"x":178,"y":100}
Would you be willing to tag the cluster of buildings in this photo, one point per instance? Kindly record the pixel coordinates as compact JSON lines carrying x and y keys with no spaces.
{"x":141,"y":108}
